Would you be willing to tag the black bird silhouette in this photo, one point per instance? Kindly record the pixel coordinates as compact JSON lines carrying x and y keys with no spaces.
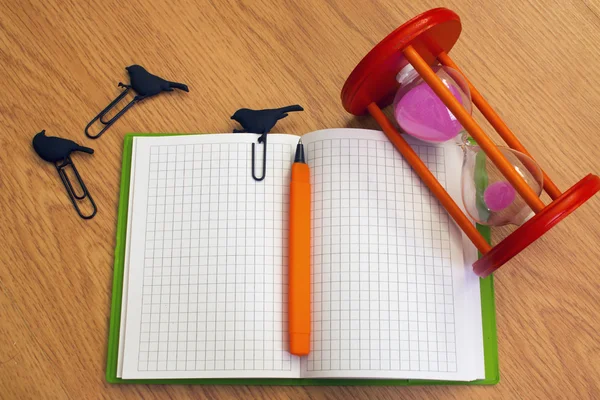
{"x":55,"y":149}
{"x":58,"y":151}
{"x":147,"y":85}
{"x":261,"y":121}
{"x":144,"y":84}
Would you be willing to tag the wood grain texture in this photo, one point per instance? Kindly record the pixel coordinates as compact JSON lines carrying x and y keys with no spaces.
{"x":536,"y":62}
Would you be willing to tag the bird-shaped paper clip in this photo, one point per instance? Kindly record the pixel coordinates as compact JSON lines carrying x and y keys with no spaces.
{"x":58,"y":151}
{"x":144,"y":84}
{"x":261,"y":122}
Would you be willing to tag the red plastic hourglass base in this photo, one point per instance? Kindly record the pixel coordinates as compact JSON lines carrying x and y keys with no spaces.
{"x":374,"y":78}
{"x":539,"y":224}
{"x":372,"y":86}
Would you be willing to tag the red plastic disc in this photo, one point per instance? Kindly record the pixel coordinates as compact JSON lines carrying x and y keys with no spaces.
{"x":374,"y":78}
{"x":541,"y":223}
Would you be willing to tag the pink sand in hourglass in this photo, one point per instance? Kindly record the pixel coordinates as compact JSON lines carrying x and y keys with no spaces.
{"x":421,"y":114}
{"x":499,"y":195}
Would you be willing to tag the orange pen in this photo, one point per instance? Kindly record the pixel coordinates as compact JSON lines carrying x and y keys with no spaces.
{"x":299,"y":256}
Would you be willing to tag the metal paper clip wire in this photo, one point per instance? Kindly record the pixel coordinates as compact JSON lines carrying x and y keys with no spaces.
{"x":264,"y":162}
{"x":60,"y":167}
{"x":103,"y":113}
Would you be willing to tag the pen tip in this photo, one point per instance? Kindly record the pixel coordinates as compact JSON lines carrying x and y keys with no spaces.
{"x":300,"y":141}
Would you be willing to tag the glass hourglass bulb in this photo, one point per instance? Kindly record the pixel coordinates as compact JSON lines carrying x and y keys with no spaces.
{"x":420,"y":112}
{"x":487,"y":195}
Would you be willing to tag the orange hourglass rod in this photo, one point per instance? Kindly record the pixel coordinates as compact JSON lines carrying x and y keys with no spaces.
{"x":427,"y":177}
{"x":505,"y":167}
{"x":498,"y":124}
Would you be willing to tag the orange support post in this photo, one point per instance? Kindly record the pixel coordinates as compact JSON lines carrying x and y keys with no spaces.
{"x":432,"y":183}
{"x":505,"y":167}
{"x":498,"y":124}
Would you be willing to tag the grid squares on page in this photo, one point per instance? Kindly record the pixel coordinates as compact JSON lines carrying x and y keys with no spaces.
{"x":211,"y":296}
{"x":382,"y":277}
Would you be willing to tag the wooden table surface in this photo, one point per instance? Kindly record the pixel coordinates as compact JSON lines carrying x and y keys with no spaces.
{"x":536,"y":62}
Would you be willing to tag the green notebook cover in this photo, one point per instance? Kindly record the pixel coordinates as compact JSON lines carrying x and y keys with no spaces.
{"x":490,"y":340}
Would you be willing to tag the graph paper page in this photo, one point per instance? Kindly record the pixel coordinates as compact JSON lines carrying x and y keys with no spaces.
{"x":206,"y":287}
{"x":393,"y":294}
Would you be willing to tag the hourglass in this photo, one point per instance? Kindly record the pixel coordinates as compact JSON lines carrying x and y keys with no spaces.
{"x":432,"y":101}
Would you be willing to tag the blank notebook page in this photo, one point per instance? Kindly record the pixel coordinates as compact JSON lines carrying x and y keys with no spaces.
{"x":205,"y":274}
{"x":393,"y":292}
{"x":205,"y":287}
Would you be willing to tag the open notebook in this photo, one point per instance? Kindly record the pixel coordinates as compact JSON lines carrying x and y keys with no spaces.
{"x":204,"y":288}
